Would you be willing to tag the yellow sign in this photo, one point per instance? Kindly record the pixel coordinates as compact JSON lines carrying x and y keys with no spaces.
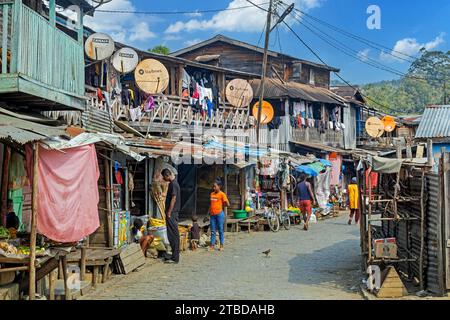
{"x":267,"y":112}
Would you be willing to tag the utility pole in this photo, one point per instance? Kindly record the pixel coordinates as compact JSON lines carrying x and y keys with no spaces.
{"x":263,"y":74}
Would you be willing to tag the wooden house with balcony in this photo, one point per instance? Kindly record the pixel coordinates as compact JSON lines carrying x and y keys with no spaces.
{"x":307,"y":113}
{"x":41,"y":62}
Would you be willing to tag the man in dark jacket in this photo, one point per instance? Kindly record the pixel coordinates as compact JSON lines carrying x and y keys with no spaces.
{"x":172,"y":208}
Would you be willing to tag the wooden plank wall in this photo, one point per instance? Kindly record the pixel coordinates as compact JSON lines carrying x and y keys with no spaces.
{"x":100,"y":237}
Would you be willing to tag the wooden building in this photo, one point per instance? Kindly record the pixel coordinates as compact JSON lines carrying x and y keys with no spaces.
{"x":237,"y":55}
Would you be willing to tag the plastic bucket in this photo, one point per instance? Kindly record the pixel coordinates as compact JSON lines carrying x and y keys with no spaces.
{"x":239,"y":214}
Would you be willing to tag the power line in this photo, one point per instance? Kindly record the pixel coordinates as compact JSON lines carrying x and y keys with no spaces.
{"x":176,"y":12}
{"x":368,"y":42}
{"x":324,"y":63}
{"x":355,"y":54}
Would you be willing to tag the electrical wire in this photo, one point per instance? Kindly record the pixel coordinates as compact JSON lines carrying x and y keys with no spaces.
{"x":175,"y":12}
{"x":325,"y":64}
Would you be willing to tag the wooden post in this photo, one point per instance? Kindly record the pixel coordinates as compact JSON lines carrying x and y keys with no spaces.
{"x":32,"y":284}
{"x":109,"y":223}
{"x":369,"y":217}
{"x":422,"y":230}
{"x":83,"y":263}
{"x":263,"y":73}
{"x":52,"y":13}
{"x":80,"y":31}
{"x":399,"y":152}
{"x":65,"y":276}
{"x":225,"y":188}
{"x":430,"y":152}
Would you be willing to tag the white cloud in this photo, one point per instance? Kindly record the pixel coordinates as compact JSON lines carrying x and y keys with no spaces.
{"x":121,"y":26}
{"x":141,"y":32}
{"x":189,"y":43}
{"x":248,"y":19}
{"x":410,"y":47}
{"x":364,"y":54}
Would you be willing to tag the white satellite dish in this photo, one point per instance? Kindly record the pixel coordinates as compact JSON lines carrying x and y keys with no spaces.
{"x":125,"y":60}
{"x":99,"y":46}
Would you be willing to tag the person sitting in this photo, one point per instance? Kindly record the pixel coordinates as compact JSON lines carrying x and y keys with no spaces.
{"x":12,"y":221}
{"x":141,"y":236}
{"x":194,"y":233}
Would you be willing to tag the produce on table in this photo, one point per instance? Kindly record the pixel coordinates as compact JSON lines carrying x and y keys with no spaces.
{"x":4,"y":233}
{"x":6,"y":247}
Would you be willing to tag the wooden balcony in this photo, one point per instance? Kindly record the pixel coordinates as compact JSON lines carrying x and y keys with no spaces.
{"x":330,"y":137}
{"x":41,"y":66}
{"x":173,"y":112}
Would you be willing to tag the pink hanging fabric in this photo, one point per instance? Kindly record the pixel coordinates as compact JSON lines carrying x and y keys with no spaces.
{"x":335,"y":170}
{"x":67,"y":192}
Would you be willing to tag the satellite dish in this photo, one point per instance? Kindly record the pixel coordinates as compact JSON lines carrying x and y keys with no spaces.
{"x":374,"y":127}
{"x":239,"y":93}
{"x":125,"y":60}
{"x":101,"y":1}
{"x":99,"y":46}
{"x":267,"y":112}
{"x":388,"y":123}
{"x":151,"y":76}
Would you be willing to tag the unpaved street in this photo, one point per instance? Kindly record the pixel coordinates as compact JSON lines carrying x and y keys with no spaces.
{"x":322,"y":263}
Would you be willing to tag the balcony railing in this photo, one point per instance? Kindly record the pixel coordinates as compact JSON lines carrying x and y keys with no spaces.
{"x":173,"y":110}
{"x":330,"y":137}
{"x":34,"y":49}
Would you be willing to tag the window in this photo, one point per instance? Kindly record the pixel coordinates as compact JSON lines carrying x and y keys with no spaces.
{"x":311,"y":77}
{"x":296,"y":71}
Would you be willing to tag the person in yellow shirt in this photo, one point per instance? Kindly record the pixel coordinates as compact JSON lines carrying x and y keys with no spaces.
{"x":353,"y":197}
{"x":219,"y":200}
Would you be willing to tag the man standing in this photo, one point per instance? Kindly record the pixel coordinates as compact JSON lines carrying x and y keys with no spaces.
{"x":305,"y":199}
{"x":353,"y":198}
{"x":173,"y":202}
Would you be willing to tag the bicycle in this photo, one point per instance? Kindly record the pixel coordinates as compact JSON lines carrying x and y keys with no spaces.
{"x":277,"y":217}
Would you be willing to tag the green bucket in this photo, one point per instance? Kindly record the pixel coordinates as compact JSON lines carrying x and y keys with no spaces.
{"x":239,"y":214}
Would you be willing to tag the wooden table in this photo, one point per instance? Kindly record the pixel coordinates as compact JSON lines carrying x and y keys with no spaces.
{"x":234,"y":223}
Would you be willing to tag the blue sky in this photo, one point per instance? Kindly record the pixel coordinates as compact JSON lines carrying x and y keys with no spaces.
{"x":406,"y":26}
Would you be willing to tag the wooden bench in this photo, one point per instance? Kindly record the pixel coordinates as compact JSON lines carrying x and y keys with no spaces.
{"x":97,"y":258}
{"x":249,"y":223}
{"x":233,"y":224}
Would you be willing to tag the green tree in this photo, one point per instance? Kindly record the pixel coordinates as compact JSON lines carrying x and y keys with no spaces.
{"x":427,"y":82}
{"x":161,"y":49}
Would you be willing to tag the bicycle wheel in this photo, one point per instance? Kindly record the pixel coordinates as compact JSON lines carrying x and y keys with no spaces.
{"x":286,"y":220}
{"x":274,"y":222}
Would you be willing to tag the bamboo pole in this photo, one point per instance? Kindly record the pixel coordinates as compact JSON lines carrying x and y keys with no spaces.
{"x":32,"y":284}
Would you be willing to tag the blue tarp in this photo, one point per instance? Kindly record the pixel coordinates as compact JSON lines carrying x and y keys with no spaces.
{"x":326,"y":162}
{"x":307,"y":170}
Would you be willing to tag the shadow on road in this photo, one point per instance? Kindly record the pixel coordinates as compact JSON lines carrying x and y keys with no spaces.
{"x":336,"y":265}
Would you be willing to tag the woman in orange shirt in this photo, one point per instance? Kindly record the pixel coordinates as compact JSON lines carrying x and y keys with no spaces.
{"x":219,"y":200}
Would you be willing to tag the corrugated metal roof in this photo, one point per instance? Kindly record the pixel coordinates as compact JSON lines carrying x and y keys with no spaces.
{"x":274,"y":89}
{"x":435,"y":122}
{"x":22,"y":131}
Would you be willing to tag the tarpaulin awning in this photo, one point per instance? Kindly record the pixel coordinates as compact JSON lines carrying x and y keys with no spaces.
{"x":386,"y":165}
{"x":326,"y":162}
{"x":84,"y":139}
{"x":307,"y":170}
{"x":317,"y":166}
